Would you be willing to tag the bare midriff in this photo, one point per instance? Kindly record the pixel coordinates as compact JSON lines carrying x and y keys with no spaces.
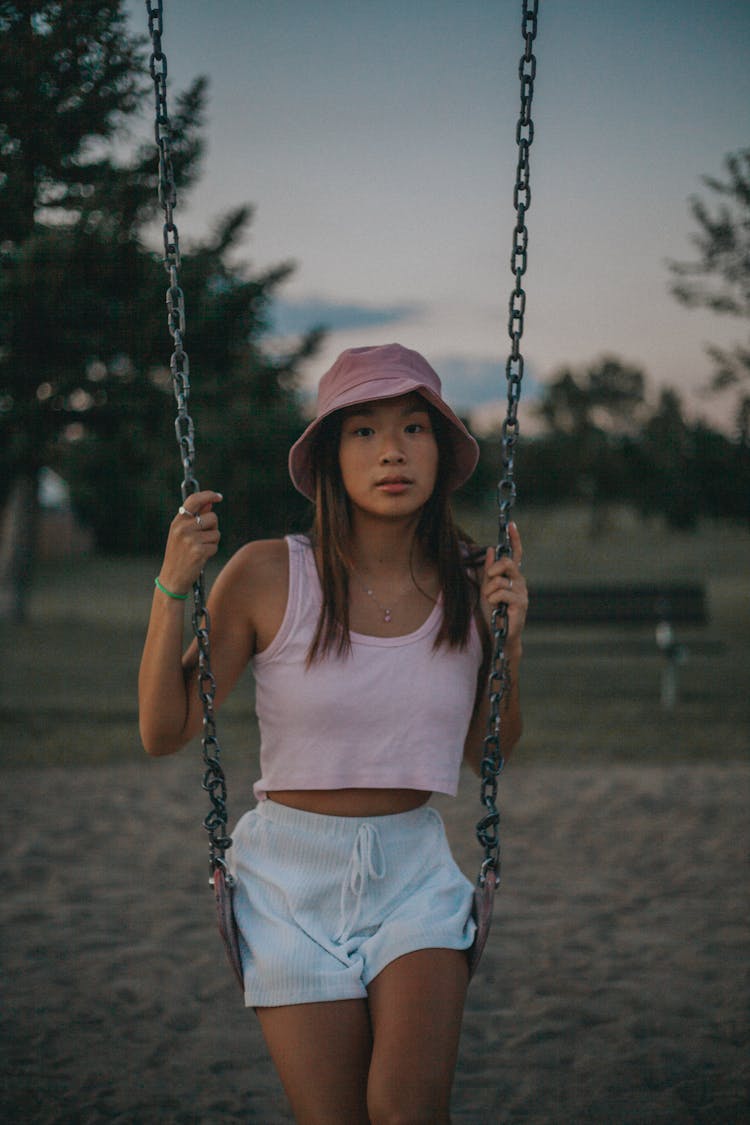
{"x":351,"y":802}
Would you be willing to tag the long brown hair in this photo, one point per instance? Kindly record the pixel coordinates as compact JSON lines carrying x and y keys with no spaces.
{"x":437,"y":534}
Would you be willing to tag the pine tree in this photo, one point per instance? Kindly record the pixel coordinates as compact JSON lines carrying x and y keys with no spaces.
{"x":84,"y":348}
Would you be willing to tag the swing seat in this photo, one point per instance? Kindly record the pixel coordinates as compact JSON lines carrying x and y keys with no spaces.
{"x":484,"y":897}
{"x":227,"y":923}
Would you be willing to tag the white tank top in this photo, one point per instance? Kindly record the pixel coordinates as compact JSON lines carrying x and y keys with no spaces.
{"x":393,"y":713}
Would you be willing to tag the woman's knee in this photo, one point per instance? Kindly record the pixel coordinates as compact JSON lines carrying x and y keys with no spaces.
{"x":395,"y":1105}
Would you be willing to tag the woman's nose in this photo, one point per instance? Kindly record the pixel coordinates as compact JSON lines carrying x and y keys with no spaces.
{"x":391,"y":454}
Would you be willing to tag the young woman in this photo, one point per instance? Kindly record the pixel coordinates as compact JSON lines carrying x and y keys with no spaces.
{"x":369,"y":644}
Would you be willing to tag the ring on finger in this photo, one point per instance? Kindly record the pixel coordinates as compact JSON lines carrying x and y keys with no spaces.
{"x":183,"y":511}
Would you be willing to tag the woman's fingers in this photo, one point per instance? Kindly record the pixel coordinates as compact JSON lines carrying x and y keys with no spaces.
{"x":503,"y":583}
{"x":198,"y":506}
{"x":515,"y":543}
{"x":193,"y":539}
{"x":196,"y":513}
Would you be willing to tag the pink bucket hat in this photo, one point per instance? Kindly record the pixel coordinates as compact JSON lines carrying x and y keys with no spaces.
{"x":364,"y":375}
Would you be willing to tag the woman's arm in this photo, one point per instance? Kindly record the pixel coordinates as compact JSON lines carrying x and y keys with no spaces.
{"x":170,"y":710}
{"x":502,"y":581}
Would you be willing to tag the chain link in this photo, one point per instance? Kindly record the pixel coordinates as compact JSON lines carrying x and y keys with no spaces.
{"x":488,"y":828}
{"x":214,"y":782}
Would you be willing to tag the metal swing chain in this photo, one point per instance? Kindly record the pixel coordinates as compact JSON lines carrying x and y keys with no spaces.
{"x":214,"y":782}
{"x":488,"y":828}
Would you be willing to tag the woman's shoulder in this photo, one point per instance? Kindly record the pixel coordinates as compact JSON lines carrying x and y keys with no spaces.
{"x":253,"y":586}
{"x":257,"y":568}
{"x":260,"y":561}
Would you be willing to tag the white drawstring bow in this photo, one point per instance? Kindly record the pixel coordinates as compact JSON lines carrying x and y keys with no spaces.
{"x":367,"y":862}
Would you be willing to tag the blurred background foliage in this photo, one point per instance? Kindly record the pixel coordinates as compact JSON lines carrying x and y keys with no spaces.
{"x":604,"y":441}
{"x":84,"y":378}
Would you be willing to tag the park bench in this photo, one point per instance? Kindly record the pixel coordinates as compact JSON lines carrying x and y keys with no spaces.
{"x":662,"y":605}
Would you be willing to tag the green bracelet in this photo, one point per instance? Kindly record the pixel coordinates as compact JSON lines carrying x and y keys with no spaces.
{"x":164,"y":590}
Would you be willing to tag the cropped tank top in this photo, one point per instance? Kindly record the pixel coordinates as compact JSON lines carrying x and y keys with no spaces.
{"x":391,"y":713}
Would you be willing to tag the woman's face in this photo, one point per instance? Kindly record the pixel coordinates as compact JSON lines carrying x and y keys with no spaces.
{"x":388,"y":456}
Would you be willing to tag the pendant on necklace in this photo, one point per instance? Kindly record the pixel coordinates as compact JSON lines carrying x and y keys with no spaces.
{"x":383,"y":609}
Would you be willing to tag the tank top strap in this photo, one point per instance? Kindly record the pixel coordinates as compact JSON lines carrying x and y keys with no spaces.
{"x":302,"y":602}
{"x":304,"y":596}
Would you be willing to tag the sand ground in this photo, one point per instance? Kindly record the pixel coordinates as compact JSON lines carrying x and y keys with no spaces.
{"x":613,"y":992}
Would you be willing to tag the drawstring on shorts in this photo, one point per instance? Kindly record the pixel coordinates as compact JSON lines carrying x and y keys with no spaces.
{"x":366,"y":862}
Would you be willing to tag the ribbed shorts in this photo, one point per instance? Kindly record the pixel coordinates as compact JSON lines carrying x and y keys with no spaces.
{"x":324,"y":903}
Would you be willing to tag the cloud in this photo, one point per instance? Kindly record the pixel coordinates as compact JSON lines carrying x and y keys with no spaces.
{"x":471,"y":381}
{"x":290,"y":318}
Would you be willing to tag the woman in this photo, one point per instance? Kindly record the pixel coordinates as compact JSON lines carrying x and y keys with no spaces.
{"x":369,"y":643}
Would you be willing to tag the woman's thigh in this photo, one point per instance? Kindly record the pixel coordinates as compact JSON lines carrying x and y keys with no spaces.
{"x":322,"y":1054}
{"x":416,"y":1009}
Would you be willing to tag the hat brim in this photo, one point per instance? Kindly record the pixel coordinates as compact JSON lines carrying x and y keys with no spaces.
{"x":465,"y":448}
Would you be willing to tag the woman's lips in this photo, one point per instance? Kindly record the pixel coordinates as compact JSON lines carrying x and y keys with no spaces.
{"x":394,"y":487}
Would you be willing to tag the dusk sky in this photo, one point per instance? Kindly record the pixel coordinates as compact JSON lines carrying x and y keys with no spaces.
{"x":376,"y":141}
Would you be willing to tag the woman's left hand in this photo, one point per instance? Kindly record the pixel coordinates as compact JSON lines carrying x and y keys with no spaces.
{"x":503,"y":582}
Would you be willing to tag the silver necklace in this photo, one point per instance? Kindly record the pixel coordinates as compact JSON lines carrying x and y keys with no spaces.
{"x":384,"y":609}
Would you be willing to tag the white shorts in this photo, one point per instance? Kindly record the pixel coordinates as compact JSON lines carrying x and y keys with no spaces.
{"x":324,"y":903}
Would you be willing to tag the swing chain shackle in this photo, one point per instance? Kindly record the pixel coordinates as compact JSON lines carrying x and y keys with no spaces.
{"x":214,"y":783}
{"x":488,"y":828}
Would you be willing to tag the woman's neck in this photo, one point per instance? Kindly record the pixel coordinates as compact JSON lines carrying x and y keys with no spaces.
{"x":387,"y":548}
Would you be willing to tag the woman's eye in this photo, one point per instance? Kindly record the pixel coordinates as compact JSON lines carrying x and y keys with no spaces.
{"x":415,"y":428}
{"x":363,"y":431}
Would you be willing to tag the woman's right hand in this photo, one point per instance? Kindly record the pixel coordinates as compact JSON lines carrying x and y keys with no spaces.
{"x":193,"y":539}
